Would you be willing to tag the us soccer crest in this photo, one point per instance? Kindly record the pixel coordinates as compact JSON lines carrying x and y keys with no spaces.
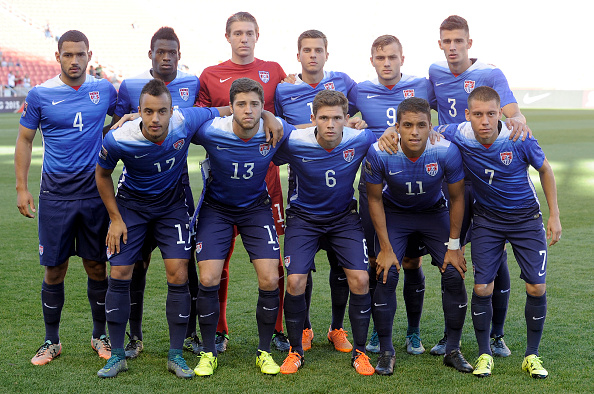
{"x":184,"y":93}
{"x":431,"y":168}
{"x":41,"y":250}
{"x":178,"y":144}
{"x":198,"y":247}
{"x":264,"y":76}
{"x":469,"y":86}
{"x":408,"y":93}
{"x":348,"y":154}
{"x":94,"y":96}
{"x":103,"y":153}
{"x":287,"y":261}
{"x":264,"y":149}
{"x":329,"y":86}
{"x":506,"y":157}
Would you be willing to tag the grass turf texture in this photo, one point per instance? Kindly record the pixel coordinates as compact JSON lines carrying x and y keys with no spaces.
{"x":568,"y":140}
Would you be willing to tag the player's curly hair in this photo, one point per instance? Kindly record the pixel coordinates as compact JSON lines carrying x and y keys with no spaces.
{"x":454,"y":22}
{"x":155,"y":88}
{"x":416,"y":106}
{"x":72,"y":36}
{"x":312,"y":34}
{"x":383,"y":41}
{"x":164,"y":33}
{"x":484,"y":94}
{"x":245,"y":85}
{"x":330,"y":98}
{"x":241,"y":17}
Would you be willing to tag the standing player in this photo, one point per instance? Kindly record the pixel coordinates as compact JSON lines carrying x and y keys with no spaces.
{"x":242,"y":33}
{"x":452,"y":81}
{"x":506,"y":208}
{"x":239,"y":160}
{"x":69,"y":110}
{"x":325,"y":159}
{"x":412,"y":202}
{"x":164,"y":54}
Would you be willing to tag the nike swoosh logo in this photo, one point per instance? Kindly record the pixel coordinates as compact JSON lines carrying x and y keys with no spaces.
{"x":294,"y":98}
{"x":542,"y":273}
{"x":133,"y":303}
{"x":186,"y":248}
{"x":394,"y":173}
{"x":462,"y":306}
{"x":211,"y":313}
{"x":366,"y":310}
{"x":270,"y":309}
{"x":100,"y":303}
{"x":420,"y":291}
{"x":478,"y":314}
{"x":372,"y":96}
{"x":438,"y":84}
{"x":224,"y":80}
{"x":111,"y":310}
{"x":342,"y":278}
{"x":505,"y":291}
{"x":219,"y":148}
{"x":275,"y":247}
{"x":537,"y":318}
{"x":57,"y":102}
{"x":532,"y":99}
{"x":376,"y":304}
{"x":138,"y":157}
{"x":305,"y":160}
{"x":51,"y":307}
{"x":184,"y":317}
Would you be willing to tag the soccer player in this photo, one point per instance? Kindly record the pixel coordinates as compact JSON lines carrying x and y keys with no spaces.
{"x":325,"y":159}
{"x":506,"y":208}
{"x":294,"y":103}
{"x":164,"y":53}
{"x":239,"y":160}
{"x":69,"y":110}
{"x":242,"y":33}
{"x":452,"y":81}
{"x":412,"y":202}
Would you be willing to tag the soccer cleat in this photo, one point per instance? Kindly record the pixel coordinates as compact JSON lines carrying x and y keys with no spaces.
{"x":114,"y":366}
{"x":414,"y":345}
{"x":280,"y":341}
{"x":306,"y":339}
{"x":338,"y":337}
{"x":483,"y":366}
{"x":46,"y":353}
{"x":373,"y":345}
{"x":102,"y":346}
{"x":456,"y":360}
{"x":193,"y":344}
{"x":206,"y":365}
{"x":361,"y":364}
{"x":385,"y":364}
{"x":266,"y":363}
{"x":293,"y":363}
{"x":133,"y":347}
{"x":499,"y":348}
{"x":221,"y":340}
{"x":439,"y":349}
{"x":533,"y":365}
{"x":178,"y":366}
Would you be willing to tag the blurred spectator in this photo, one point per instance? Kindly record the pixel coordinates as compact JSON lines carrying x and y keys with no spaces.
{"x":17,"y":63}
{"x":92,"y":71}
{"x":3,"y":63}
{"x":11,"y":82}
{"x":47,"y":31}
{"x":27,"y":81}
{"x":99,"y":71}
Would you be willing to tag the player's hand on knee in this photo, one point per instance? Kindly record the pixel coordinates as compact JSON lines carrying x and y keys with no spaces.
{"x":26,"y":204}
{"x":456,"y":259}
{"x":117,"y":230}
{"x":388,"y":142}
{"x":383,"y":262}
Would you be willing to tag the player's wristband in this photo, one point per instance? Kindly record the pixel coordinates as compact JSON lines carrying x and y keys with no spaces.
{"x":454,"y":244}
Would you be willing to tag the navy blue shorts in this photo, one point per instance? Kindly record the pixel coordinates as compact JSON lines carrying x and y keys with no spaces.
{"x":71,"y":228}
{"x":169,"y":229}
{"x":342,"y":234}
{"x":255,"y":225}
{"x":527,"y":237}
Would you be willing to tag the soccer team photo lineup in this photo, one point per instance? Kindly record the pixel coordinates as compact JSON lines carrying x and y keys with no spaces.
{"x":372,"y":183}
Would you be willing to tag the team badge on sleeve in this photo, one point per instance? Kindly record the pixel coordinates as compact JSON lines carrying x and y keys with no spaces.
{"x":287,"y":261}
{"x":41,"y":250}
{"x":103,"y":153}
{"x":506,"y":157}
{"x":408,"y":93}
{"x":431,"y":168}
{"x":184,"y":93}
{"x":264,"y":76}
{"x":24,"y":109}
{"x":368,"y":169}
{"x":198,"y":247}
{"x":179,"y":144}
{"x":348,"y":154}
{"x":94,"y":96}
{"x":469,"y":86}
{"x":264,"y":149}
{"x":329,"y":86}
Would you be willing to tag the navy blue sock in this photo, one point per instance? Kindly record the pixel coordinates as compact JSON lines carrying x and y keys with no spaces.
{"x":384,"y":309}
{"x":295,"y":310}
{"x":208,"y":311}
{"x":137,"y":301}
{"x":193,"y":288}
{"x":339,"y":293}
{"x":266,"y":313}
{"x":501,"y":291}
{"x":455,"y":303}
{"x":96,"y":291}
{"x":52,"y":302}
{"x":482,"y":313}
{"x":177,"y":309}
{"x":413,"y":292}
{"x":308,"y":291}
{"x":117,"y":310}
{"x":359,"y":315}
{"x":535,"y":313}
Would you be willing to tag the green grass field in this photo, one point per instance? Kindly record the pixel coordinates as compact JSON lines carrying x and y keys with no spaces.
{"x":568,"y":140}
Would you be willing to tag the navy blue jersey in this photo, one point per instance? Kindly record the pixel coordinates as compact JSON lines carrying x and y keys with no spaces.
{"x":499,"y":174}
{"x":293,"y":102}
{"x":71,"y":124}
{"x":324,"y":180}
{"x":378,"y":104}
{"x":415,"y":186}
{"x":238,"y":167}
{"x":452,"y":91}
{"x":184,"y":91}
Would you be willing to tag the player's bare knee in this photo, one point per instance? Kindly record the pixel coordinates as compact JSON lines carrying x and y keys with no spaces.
{"x":411,"y":263}
{"x":96,"y":270}
{"x":296,"y":284}
{"x":56,"y":274}
{"x":536,"y":290}
{"x":483,"y":290}
{"x":122,"y":272}
{"x":358,"y":281}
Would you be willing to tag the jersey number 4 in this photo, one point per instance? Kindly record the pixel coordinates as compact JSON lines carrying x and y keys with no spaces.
{"x":78,"y":122}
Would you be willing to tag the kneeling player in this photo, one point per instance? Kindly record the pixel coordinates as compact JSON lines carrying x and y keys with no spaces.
{"x":413,"y":204}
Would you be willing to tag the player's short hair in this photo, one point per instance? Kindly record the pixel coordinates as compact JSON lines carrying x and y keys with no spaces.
{"x":155,"y":88}
{"x":484,"y":94}
{"x":330,"y":98}
{"x":312,"y":34}
{"x":164,"y":33}
{"x":415,"y":105}
{"x":245,"y":85}
{"x":454,"y":22}
{"x":383,"y":41}
{"x":72,"y":36}
{"x":241,"y":17}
